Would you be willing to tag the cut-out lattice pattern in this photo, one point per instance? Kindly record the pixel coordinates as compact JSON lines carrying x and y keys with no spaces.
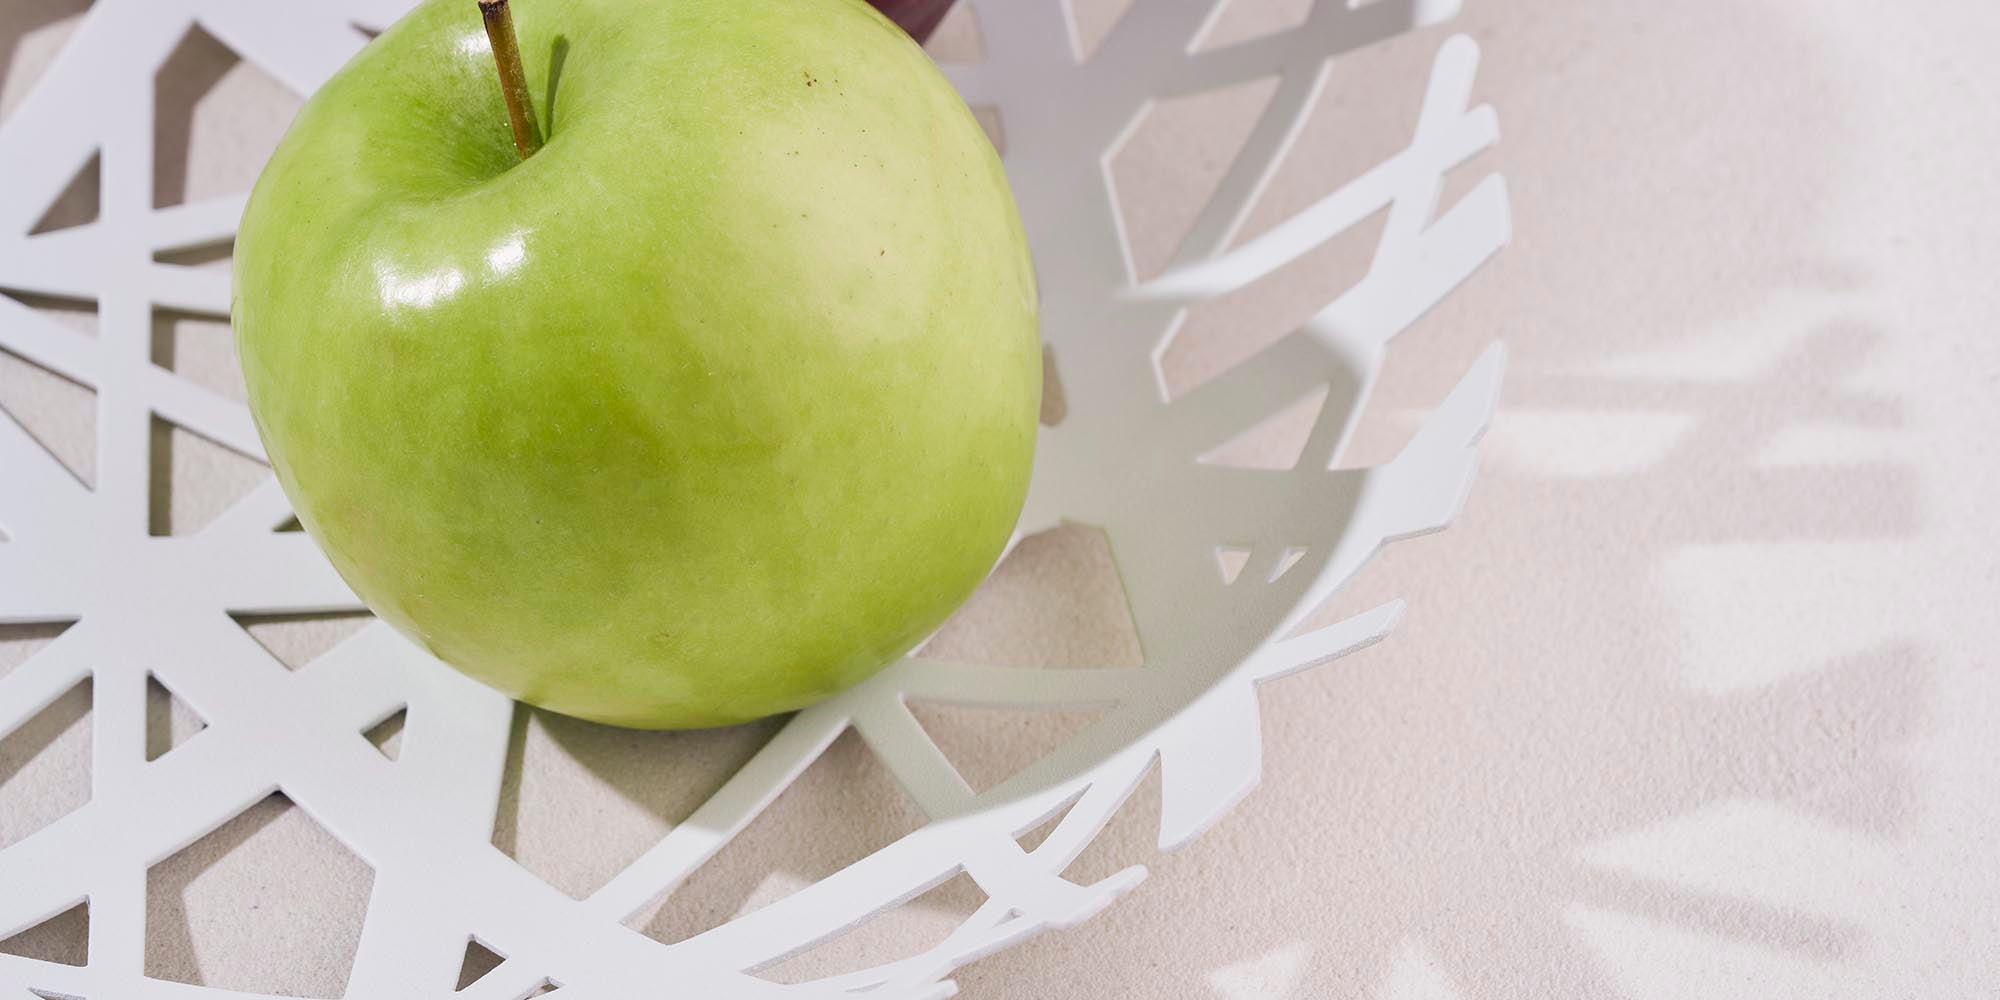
{"x":1123,"y":458}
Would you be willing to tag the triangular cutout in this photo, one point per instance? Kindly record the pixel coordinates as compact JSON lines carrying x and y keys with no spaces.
{"x":1229,"y":560}
{"x":955,"y":38}
{"x":201,"y":349}
{"x":296,"y":640}
{"x":63,"y":939}
{"x":216,"y":120}
{"x":79,"y":202}
{"x":36,"y":32}
{"x":1178,"y":152}
{"x":71,"y":314}
{"x":546,"y":987}
{"x":1055,"y":399}
{"x":19,"y":643}
{"x":1056,"y":601}
{"x":213,"y":256}
{"x":1036,"y":835}
{"x":1275,"y":442}
{"x":387,"y":735}
{"x":170,"y":721}
{"x":1091,"y":22}
{"x":1131,"y":833}
{"x":1223,"y":333}
{"x":45,"y":765}
{"x":990,"y":745}
{"x":270,"y":888}
{"x":1286,"y":560}
{"x":769,"y":860}
{"x":990,"y":122}
{"x":194,"y":480}
{"x":634,"y":785}
{"x":60,"y":414}
{"x":291,"y":524}
{"x":479,"y":960}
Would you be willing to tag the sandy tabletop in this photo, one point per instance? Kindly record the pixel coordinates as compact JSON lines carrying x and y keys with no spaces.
{"x":1697,"y":699}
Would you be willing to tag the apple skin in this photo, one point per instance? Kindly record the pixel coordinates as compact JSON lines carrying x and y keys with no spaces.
{"x":713,"y":407}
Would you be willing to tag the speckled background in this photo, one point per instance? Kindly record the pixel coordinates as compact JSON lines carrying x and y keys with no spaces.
{"x":1697,"y":699}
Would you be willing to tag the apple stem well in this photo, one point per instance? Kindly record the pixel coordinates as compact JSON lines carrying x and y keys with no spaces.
{"x":513,"y":79}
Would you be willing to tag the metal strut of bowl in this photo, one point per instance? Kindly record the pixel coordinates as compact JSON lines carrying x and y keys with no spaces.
{"x":1125,"y":458}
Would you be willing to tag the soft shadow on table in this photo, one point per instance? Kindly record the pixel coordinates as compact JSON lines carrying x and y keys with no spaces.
{"x":1438,"y":788}
{"x":1442,"y":787}
{"x":1440,"y":792}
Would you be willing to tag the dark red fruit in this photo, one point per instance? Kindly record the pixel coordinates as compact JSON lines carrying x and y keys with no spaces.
{"x":918,"y":17}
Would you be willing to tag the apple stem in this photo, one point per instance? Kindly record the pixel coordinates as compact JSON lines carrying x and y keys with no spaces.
{"x":513,"y":79}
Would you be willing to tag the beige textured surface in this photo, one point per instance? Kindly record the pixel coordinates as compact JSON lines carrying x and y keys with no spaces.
{"x":1696,"y":700}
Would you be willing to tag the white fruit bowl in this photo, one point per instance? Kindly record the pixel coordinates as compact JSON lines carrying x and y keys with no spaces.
{"x":1221,"y":564}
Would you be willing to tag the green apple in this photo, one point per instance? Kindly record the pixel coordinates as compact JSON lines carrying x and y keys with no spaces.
{"x":712,"y":407}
